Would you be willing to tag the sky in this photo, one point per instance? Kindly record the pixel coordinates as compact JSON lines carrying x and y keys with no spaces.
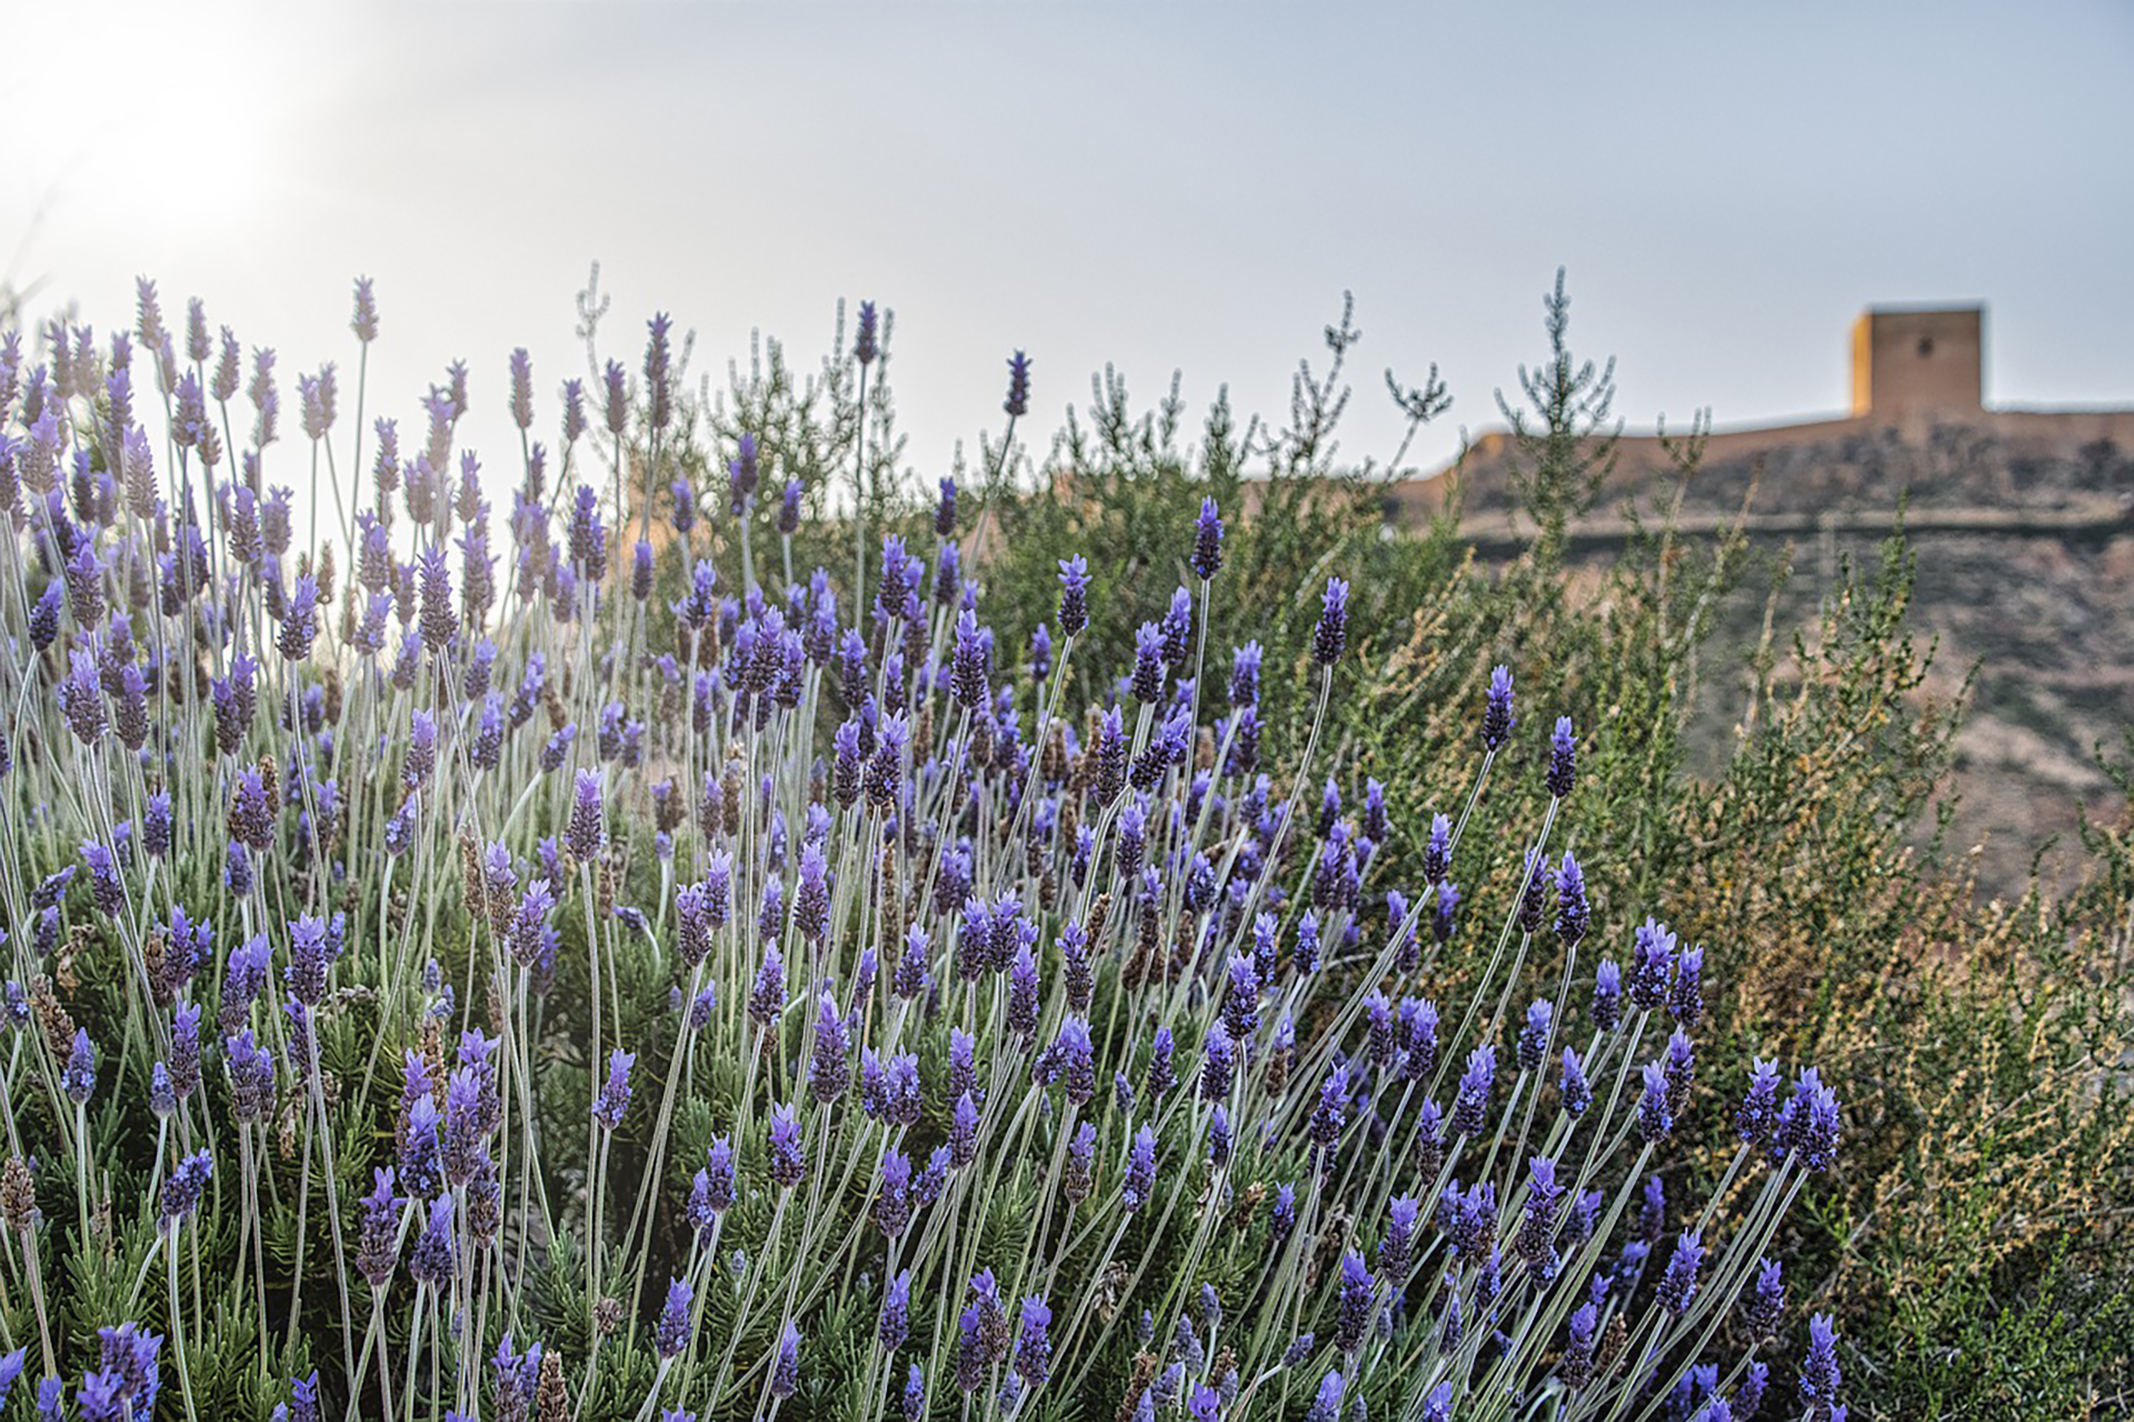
{"x":1163,"y":187}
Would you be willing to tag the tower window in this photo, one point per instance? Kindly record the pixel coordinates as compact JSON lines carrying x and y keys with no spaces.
{"x":1926,"y":346}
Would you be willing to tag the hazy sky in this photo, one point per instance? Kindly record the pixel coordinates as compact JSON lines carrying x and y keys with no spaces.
{"x":1159,"y":186}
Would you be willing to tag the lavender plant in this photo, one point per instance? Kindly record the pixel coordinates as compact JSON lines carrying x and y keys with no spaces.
{"x":641,"y":985}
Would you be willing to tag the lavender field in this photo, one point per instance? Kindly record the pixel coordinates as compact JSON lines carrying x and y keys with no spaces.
{"x":512,"y":942}
{"x":647,"y":923}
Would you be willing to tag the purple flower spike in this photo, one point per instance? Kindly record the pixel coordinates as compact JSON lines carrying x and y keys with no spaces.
{"x":672,"y":1334}
{"x":1655,"y":1120}
{"x":785,"y":1372}
{"x":1563,"y":759}
{"x":1331,"y":636}
{"x":1497,"y":719}
{"x":768,"y":999}
{"x":1607,"y":995}
{"x":1033,"y":1346}
{"x":1139,"y":1184}
{"x":945,"y":510}
{"x":1470,"y":1112}
{"x":434,"y":1254}
{"x":895,"y":1324}
{"x":585,"y":834}
{"x":1331,"y":1114}
{"x":1577,"y":1094}
{"x":1074,"y":594}
{"x":719,"y":1175}
{"x":1572,"y":912}
{"x":614,"y":1098}
{"x":1679,"y":1284}
{"x":1218,"y":1062}
{"x":1652,"y":966}
{"x":1758,"y":1112}
{"x":376,"y":1254}
{"x":1326,"y":1404}
{"x":78,"y":1079}
{"x":788,"y":1163}
{"x":1352,"y":1319}
{"x":1686,"y":997}
{"x":1768,"y":1304}
{"x":658,"y":370}
{"x":365,"y":323}
{"x":867,"y":346}
{"x":181,"y":1192}
{"x":1207,"y":557}
{"x":1820,"y":1375}
{"x":1018,"y":402}
{"x":828,"y":1070}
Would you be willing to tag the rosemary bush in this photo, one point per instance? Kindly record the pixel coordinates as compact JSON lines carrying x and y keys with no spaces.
{"x":642,"y":982}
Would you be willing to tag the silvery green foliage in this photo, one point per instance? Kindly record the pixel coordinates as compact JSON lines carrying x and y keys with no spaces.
{"x":645,"y":982}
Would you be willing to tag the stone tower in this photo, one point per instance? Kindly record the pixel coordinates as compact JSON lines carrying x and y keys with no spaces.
{"x":1913,"y":365}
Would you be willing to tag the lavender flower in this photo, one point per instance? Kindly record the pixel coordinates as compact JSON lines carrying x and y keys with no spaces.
{"x":1331,"y":1113}
{"x":1139,"y":1182}
{"x":788,"y":1163}
{"x":1207,"y":559}
{"x":1018,"y":402}
{"x":181,"y":1191}
{"x":1758,"y":1113}
{"x":671,"y":1335}
{"x":1033,"y":1345}
{"x":377,"y":1251}
{"x":1655,"y":1119}
{"x":895,"y":1325}
{"x":768,"y":999}
{"x":433,"y":1258}
{"x":1686,"y":998}
{"x":1074,"y":594}
{"x":614,"y":1097}
{"x":1497,"y":710}
{"x":1563,"y":759}
{"x":78,"y":1080}
{"x":1572,"y":913}
{"x":1470,"y":1112}
{"x":1679,"y":1284}
{"x":1607,"y":995}
{"x":364,"y":323}
{"x":1326,"y":1403}
{"x":1070,"y":1061}
{"x":866,"y":347}
{"x":586,"y":833}
{"x":1218,"y":1062}
{"x":1332,"y":633}
{"x":1577,"y":1094}
{"x":312,"y":950}
{"x":1760,"y":1315}
{"x":1354,"y":1310}
{"x":1652,"y":964}
{"x":1809,"y":1123}
{"x":1820,"y":1376}
{"x":785,"y":1370}
{"x":1396,"y":1252}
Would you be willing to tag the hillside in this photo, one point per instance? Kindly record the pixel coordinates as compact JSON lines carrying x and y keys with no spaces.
{"x":2025,"y":575}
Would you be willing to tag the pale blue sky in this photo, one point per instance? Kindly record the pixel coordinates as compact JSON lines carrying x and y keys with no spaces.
{"x":1159,"y":186}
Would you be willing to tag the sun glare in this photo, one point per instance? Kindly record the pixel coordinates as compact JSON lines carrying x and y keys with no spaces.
{"x":148,"y":115}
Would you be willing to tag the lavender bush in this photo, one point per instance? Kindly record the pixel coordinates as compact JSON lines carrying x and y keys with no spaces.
{"x":583,"y":969}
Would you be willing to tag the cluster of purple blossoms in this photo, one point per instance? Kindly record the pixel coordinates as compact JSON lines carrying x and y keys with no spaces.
{"x":904,"y":935}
